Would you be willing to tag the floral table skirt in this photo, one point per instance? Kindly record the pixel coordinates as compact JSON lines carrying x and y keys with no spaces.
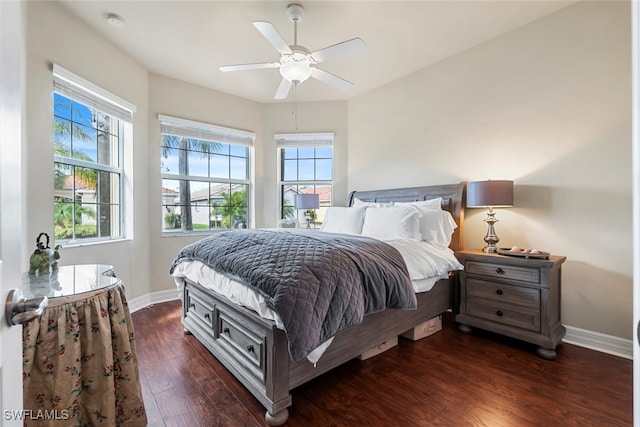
{"x":79,"y":363}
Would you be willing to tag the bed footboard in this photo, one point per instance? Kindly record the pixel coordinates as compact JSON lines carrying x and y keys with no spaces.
{"x":251,"y":348}
{"x":255,"y":351}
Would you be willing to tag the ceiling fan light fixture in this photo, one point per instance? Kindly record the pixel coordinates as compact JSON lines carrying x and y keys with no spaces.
{"x":295,"y":72}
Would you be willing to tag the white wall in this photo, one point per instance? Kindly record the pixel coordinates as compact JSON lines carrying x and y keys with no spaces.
{"x":53,"y":35}
{"x":176,"y":98}
{"x":547,"y":105}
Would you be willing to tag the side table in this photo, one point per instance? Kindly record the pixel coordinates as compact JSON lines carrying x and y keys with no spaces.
{"x":513,"y":296}
{"x":79,"y":359}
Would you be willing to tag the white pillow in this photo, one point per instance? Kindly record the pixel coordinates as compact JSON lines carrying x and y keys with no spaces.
{"x":393,"y":223}
{"x":427,"y":204}
{"x":360,"y":203}
{"x":436,"y":227}
{"x":343,"y":220}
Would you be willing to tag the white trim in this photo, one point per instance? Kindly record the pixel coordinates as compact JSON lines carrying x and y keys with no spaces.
{"x":146,"y":300}
{"x":317,"y":139}
{"x":206,"y":131}
{"x":86,"y":86}
{"x":600,"y":342}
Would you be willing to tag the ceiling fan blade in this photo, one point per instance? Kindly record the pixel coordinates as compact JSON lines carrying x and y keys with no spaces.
{"x":337,"y":50}
{"x":273,"y":36}
{"x":257,"y":66}
{"x":331,"y":79}
{"x":283,"y":90}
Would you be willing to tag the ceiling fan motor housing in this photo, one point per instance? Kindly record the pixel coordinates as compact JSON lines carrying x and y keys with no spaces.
{"x":295,"y":12}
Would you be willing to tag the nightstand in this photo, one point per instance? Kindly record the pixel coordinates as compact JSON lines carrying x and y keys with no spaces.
{"x":514,"y":296}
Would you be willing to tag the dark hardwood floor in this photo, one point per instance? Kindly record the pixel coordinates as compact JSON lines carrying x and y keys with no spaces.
{"x":448,"y":379}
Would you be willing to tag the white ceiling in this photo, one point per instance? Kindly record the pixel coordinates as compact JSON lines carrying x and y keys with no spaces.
{"x":189,"y":40}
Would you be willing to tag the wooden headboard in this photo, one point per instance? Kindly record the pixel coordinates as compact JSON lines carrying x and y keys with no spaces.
{"x":453,"y":200}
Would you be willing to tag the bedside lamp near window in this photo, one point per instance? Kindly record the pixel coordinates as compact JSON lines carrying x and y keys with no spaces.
{"x":307,"y":202}
{"x":490,"y":194}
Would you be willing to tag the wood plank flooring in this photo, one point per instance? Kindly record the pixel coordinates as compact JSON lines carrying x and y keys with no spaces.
{"x":448,"y":379}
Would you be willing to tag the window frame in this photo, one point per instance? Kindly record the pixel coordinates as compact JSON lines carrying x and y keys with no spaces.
{"x":302,"y":140}
{"x":95,"y":98}
{"x":170,"y":125}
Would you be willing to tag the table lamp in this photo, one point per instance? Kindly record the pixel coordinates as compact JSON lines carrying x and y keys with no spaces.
{"x":491,"y":194}
{"x":307,"y":202}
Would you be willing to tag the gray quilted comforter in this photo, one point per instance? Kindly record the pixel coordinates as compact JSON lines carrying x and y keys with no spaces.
{"x":318,"y":283}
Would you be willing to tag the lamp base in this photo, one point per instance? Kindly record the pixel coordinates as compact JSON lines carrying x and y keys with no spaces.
{"x":491,"y":238}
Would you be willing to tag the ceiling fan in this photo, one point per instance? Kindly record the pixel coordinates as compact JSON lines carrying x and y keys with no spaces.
{"x":296,"y":62}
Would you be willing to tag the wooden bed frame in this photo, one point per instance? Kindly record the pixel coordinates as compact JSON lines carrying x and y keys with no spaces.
{"x":255,"y":351}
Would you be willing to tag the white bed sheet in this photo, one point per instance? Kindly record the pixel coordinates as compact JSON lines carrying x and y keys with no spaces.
{"x":426,"y":265}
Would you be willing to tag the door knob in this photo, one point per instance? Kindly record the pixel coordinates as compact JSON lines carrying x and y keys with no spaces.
{"x":19,"y":310}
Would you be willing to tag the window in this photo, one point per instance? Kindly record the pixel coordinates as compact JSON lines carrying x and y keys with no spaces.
{"x":88,"y":128}
{"x":206,"y":176}
{"x":306,"y":167}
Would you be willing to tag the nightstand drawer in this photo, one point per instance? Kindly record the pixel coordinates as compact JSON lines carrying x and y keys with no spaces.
{"x":503,"y":271}
{"x":501,"y":292}
{"x":506,"y":314}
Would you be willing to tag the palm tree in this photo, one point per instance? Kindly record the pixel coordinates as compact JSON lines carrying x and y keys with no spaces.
{"x":184,"y":146}
{"x":233,"y":208}
{"x":68,"y":214}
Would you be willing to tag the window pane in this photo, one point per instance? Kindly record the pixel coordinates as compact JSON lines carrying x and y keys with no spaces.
{"x":63,"y":181}
{"x":85,"y":220}
{"x":81,"y":114}
{"x":324,"y":169}
{"x":239,"y":168}
{"x":306,"y":170}
{"x":324,"y":152}
{"x":290,"y":153}
{"x":306,"y":153}
{"x":83,"y":143}
{"x":84,"y":182}
{"x":61,"y":137}
{"x":61,"y":106}
{"x":290,"y":170}
{"x":239,"y":151}
{"x":219,"y":166}
{"x":220,"y":148}
{"x":107,"y":149}
{"x":169,"y":160}
{"x":198,"y":164}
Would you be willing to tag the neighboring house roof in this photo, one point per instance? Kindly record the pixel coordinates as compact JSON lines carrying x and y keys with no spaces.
{"x":214,"y":192}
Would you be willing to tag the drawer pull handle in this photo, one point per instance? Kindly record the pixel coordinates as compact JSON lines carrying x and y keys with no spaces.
{"x":225,"y":330}
{"x":499,"y":313}
{"x":192,"y":305}
{"x":250,"y":348}
{"x":499,"y":270}
{"x":499,"y":291}
{"x":207,"y":316}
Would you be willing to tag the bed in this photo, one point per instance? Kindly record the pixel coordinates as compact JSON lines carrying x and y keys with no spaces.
{"x":257,"y":351}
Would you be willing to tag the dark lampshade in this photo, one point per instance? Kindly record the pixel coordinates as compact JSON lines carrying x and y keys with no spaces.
{"x":307,"y":201}
{"x":489,"y":194}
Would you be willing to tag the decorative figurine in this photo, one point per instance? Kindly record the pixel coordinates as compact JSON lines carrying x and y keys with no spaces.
{"x":44,"y":259}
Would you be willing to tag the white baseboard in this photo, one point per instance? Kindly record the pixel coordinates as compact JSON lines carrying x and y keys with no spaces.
{"x":600,"y":342}
{"x":143,"y":301}
{"x":581,"y":337}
